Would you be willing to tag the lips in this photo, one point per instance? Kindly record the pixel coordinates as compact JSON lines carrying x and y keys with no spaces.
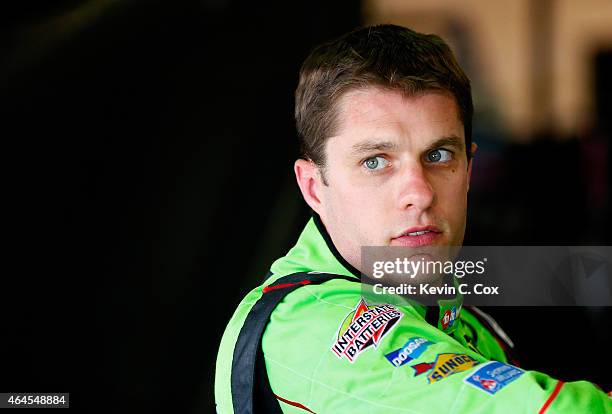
{"x":417,"y":236}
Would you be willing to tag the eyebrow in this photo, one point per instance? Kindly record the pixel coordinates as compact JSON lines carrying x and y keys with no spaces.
{"x":367,"y":147}
{"x":449,"y":141}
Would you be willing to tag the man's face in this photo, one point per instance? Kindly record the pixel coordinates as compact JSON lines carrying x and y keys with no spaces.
{"x":397,"y":173}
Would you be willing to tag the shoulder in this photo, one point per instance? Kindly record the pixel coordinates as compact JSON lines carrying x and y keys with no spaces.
{"x":330,"y":340}
{"x":320,"y":316}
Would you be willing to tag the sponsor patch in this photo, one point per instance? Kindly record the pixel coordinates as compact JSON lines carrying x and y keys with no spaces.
{"x":448,"y":318}
{"x":445,"y":365}
{"x":494,"y":376}
{"x":364,"y":327}
{"x":413,"y":349}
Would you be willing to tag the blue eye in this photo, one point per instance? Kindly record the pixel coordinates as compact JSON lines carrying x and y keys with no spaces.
{"x":375,"y":163}
{"x":439,"y":155}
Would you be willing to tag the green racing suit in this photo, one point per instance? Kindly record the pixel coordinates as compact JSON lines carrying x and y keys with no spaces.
{"x":326,"y":347}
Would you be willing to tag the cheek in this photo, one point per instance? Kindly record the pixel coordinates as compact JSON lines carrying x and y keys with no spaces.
{"x":355,"y":208}
{"x":361,"y":202}
{"x":345,"y":186}
{"x":350,"y":202}
{"x":452,"y":196}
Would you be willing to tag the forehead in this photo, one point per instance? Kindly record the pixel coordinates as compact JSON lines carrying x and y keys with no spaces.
{"x":371,"y":111}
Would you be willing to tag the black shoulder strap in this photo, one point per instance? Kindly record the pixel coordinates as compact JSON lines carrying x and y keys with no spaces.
{"x":498,"y":334}
{"x":251,"y":391}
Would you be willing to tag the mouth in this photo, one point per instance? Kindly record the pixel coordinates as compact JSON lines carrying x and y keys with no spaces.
{"x":417,"y":233}
{"x":417,"y":236}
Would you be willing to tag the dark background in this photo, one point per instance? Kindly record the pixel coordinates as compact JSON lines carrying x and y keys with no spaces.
{"x":147,"y":163}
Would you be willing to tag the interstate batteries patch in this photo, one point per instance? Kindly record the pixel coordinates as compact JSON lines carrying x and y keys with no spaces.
{"x":444,"y":366}
{"x":364,"y":327}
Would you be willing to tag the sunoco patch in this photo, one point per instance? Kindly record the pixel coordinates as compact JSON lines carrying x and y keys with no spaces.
{"x":413,"y":349}
{"x":494,"y":376}
{"x":444,"y":366}
{"x":364,"y":327}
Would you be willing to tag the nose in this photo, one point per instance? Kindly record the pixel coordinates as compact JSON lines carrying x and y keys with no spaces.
{"x":415,"y":189}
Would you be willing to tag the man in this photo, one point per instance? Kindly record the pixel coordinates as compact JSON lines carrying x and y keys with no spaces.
{"x":384,"y":115}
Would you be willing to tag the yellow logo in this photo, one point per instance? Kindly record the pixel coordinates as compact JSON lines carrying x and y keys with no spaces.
{"x":445,"y":365}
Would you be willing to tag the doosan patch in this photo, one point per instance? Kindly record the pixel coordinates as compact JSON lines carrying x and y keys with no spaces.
{"x":413,"y":349}
{"x":494,"y":376}
{"x":444,"y":366}
{"x":364,"y":327}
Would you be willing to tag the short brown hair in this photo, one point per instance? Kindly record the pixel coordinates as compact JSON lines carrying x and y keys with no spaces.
{"x":387,"y":56}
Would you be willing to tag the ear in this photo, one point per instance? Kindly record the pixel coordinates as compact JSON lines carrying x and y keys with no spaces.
{"x":469,"y":172}
{"x":309,"y":180}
